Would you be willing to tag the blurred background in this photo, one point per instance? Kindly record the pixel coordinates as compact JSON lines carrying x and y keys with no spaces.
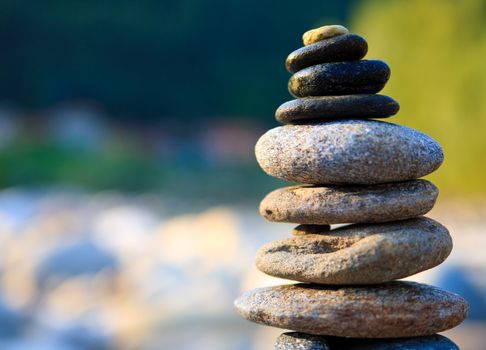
{"x":129,"y":189}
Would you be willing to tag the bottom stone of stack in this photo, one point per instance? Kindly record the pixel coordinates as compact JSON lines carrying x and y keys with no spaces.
{"x":303,"y":341}
{"x":391,"y":310}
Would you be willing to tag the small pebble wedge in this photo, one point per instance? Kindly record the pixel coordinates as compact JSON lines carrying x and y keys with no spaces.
{"x":347,"y":47}
{"x":358,"y":254}
{"x":340,"y":78}
{"x":391,"y":310}
{"x":349,"y":204}
{"x":324,"y":32}
{"x":347,"y":152}
{"x":303,"y":230}
{"x":303,"y":341}
{"x":314,"y":109}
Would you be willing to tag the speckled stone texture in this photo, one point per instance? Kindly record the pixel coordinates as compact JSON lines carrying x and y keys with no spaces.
{"x":348,"y":47}
{"x":349,"y":204}
{"x":340,"y":78}
{"x":391,"y":310}
{"x":303,"y":341}
{"x":358,"y":254}
{"x":300,"y":341}
{"x":313,"y":109}
{"x":347,"y":152}
{"x":321,"y":33}
{"x":432,"y":342}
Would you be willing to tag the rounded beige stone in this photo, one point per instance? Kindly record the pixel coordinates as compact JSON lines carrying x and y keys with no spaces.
{"x":391,"y":310}
{"x":321,"y":33}
{"x":349,"y":204}
{"x":358,"y":254}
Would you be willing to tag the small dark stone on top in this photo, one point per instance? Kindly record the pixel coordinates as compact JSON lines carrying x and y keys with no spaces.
{"x":322,"y":108}
{"x":341,"y":78}
{"x":347,"y":47}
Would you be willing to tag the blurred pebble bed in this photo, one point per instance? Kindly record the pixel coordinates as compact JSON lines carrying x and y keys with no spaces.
{"x":114,"y":271}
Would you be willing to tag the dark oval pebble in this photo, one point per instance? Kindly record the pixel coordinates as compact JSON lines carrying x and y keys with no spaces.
{"x":347,"y":47}
{"x":312,"y":109}
{"x":341,"y":78}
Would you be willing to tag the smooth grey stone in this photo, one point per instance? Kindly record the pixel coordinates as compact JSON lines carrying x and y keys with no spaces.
{"x":341,"y":78}
{"x":314,"y":109}
{"x":347,"y":152}
{"x":358,"y":254}
{"x":432,"y":342}
{"x":347,"y":47}
{"x":316,"y":205}
{"x":390,"y":310}
{"x":304,"y":341}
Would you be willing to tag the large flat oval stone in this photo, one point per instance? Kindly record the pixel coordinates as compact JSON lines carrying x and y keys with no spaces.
{"x":391,"y":310}
{"x":347,"y":47}
{"x":303,"y":341}
{"x":315,"y":205}
{"x":340,"y":78}
{"x":314,"y":109}
{"x":347,"y":152}
{"x":358,"y":254}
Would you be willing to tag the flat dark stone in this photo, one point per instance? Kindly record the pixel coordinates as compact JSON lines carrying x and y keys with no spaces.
{"x":347,"y":47}
{"x":312,"y":109}
{"x":304,"y":341}
{"x":341,"y":78}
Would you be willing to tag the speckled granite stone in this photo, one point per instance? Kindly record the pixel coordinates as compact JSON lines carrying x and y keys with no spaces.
{"x":347,"y":47}
{"x":300,"y":341}
{"x":432,"y":342}
{"x":349,"y":204}
{"x":347,"y":152}
{"x":321,"y":33}
{"x":340,"y":78}
{"x":391,"y":310}
{"x":303,"y":341}
{"x":358,"y":254}
{"x":313,"y":109}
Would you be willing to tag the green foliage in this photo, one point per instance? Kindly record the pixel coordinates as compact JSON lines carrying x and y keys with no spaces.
{"x":436,"y":51}
{"x":154,"y":58}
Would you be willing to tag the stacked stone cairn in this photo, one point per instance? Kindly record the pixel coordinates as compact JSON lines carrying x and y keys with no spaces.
{"x":357,"y":171}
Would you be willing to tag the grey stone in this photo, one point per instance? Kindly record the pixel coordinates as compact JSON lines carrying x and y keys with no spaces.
{"x":303,"y":341}
{"x":391,"y":310}
{"x":347,"y":152}
{"x":313,"y":109}
{"x":432,"y":342}
{"x":340,"y":78}
{"x":347,"y":47}
{"x":300,"y":341}
{"x":358,"y":254}
{"x":314,"y":205}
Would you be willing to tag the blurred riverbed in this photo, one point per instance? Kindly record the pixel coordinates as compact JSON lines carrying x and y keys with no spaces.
{"x":108,"y":270}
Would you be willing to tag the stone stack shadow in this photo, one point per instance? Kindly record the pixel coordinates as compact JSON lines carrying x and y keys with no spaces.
{"x":357,"y":171}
